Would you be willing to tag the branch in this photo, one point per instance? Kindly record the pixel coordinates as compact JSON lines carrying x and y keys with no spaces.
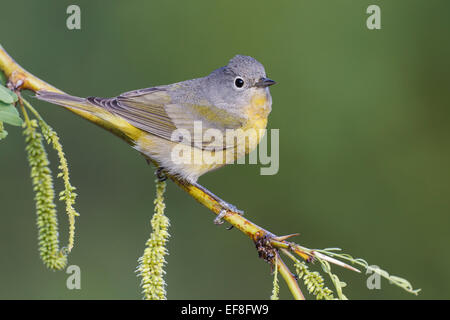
{"x":267,"y":243}
{"x":20,"y":77}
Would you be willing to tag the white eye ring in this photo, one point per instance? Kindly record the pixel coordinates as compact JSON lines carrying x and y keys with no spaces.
{"x":239,"y":83}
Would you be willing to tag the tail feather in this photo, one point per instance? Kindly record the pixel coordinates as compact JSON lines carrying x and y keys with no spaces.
{"x":54,"y":96}
{"x":95,"y":113}
{"x":67,"y":101}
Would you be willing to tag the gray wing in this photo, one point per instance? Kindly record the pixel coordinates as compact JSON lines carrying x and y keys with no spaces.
{"x":143,"y":109}
{"x":153,"y":111}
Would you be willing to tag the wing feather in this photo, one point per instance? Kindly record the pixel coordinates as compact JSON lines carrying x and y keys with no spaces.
{"x":153,"y":111}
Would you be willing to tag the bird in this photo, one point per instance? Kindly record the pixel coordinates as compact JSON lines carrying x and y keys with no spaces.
{"x":184,"y":127}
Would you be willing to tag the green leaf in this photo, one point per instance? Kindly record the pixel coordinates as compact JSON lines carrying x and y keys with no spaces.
{"x":7,"y":96}
{"x":9,"y":114}
{"x":2,"y":78}
{"x":14,"y":96}
{"x":3,"y":134}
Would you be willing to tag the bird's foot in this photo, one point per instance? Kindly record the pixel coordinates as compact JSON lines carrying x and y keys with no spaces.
{"x":229,"y":207}
{"x":160,"y":174}
{"x":218,"y":219}
{"x":225,"y":208}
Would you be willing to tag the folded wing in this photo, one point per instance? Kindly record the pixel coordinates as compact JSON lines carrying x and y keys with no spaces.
{"x":153,"y":111}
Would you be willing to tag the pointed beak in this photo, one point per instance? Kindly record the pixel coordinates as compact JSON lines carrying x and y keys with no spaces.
{"x":264,"y":82}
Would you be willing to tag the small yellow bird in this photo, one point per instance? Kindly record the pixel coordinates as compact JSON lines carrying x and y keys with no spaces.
{"x":179,"y":126}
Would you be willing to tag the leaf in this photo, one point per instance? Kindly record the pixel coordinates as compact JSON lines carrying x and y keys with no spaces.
{"x":3,"y":132}
{"x":2,"y":78}
{"x":9,"y":114}
{"x":7,"y":96}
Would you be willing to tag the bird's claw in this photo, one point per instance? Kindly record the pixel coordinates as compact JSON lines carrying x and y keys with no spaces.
{"x":160,"y":174}
{"x":218,"y":219}
{"x":229,"y":207}
{"x":225,"y":208}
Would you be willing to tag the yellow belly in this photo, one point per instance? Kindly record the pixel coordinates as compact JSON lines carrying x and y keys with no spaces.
{"x":247,"y":139}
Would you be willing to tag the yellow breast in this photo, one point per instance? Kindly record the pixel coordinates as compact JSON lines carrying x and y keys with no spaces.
{"x":257,"y":113}
{"x":248,"y":138}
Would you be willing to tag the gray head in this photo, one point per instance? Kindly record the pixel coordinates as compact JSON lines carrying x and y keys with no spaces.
{"x":235,"y":83}
{"x":248,"y":72}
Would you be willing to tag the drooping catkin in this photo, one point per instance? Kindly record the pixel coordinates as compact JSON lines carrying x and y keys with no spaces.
{"x":67,"y":195}
{"x":313,"y":281}
{"x":151,"y":264}
{"x":42,"y":181}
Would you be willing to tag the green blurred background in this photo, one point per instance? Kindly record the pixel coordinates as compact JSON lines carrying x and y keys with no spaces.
{"x":364,"y":143}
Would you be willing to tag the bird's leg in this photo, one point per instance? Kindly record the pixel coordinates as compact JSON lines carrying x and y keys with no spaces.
{"x":218,"y":219}
{"x":225,"y":205}
{"x":160,"y":174}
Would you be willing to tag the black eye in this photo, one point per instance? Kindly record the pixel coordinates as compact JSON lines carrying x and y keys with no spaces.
{"x":239,"y":82}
